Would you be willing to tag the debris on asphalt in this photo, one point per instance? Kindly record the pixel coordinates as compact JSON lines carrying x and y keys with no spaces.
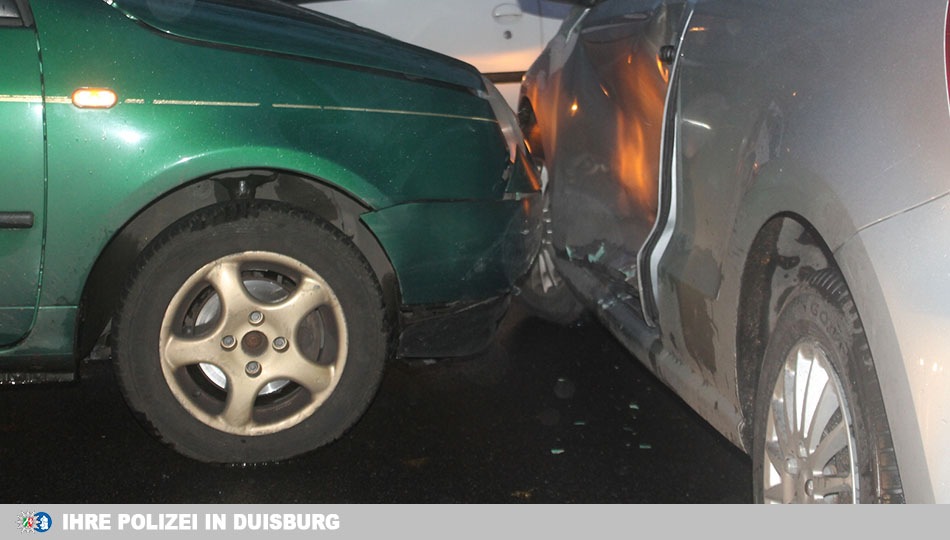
{"x":564,"y":388}
{"x":416,"y":463}
{"x":523,"y":494}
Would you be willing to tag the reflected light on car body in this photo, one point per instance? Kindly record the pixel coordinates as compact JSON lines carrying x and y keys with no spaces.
{"x":637,"y":149}
{"x":129,"y":136}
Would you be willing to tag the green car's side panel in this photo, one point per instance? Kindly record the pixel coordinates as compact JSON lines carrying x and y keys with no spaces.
{"x":189,"y":109}
{"x":22,"y":178}
{"x":49,"y":345}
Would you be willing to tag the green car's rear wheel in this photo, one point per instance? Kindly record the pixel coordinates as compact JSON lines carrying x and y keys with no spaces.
{"x":249,"y":333}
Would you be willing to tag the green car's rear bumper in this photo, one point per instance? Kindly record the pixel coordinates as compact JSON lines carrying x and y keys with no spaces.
{"x":458,"y":261}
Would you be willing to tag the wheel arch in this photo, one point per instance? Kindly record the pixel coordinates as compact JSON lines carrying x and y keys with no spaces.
{"x":788,"y":250}
{"x":787,"y":241}
{"x":103,"y":285}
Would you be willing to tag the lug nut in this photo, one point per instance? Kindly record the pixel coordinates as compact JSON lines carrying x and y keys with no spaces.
{"x":280,"y":344}
{"x":256,"y":318}
{"x":253,"y":369}
{"x":228,"y":343}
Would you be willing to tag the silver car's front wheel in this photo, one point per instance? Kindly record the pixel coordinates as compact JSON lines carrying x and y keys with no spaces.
{"x":542,"y":289}
{"x":809,"y":451}
{"x":820,"y":431}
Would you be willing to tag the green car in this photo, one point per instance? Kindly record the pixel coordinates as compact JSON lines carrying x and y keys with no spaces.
{"x":256,"y":204}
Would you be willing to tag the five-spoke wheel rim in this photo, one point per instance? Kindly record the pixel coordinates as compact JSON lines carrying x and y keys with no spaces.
{"x":809,"y":446}
{"x":253,"y":343}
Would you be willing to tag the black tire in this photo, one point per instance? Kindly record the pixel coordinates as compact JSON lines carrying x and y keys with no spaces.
{"x":542,"y":289}
{"x":182,"y":342}
{"x":818,"y":328}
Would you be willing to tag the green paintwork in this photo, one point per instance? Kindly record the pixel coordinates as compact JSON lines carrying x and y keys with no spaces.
{"x":21,"y":133}
{"x":481,"y":259}
{"x":389,"y":125}
{"x":296,"y":31}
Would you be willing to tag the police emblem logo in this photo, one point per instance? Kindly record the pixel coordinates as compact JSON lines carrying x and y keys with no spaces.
{"x":33,"y":522}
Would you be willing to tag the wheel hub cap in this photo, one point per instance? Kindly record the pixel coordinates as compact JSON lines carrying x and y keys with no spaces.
{"x":253,"y":343}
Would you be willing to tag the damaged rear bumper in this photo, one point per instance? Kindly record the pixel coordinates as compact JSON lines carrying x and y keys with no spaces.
{"x":459,"y":329}
{"x":457,"y":261}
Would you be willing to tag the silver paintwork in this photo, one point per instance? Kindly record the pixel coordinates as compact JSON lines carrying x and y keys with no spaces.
{"x":833,"y":114}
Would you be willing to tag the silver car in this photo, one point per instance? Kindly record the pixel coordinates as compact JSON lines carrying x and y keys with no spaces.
{"x":754,"y":196}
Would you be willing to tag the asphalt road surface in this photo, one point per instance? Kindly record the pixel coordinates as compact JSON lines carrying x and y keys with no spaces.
{"x":546,"y":415}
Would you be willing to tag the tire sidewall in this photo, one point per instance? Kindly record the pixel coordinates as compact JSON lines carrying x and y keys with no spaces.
{"x":808,"y":315}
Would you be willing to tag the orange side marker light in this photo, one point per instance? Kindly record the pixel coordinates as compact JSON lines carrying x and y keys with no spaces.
{"x":94,"y":98}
